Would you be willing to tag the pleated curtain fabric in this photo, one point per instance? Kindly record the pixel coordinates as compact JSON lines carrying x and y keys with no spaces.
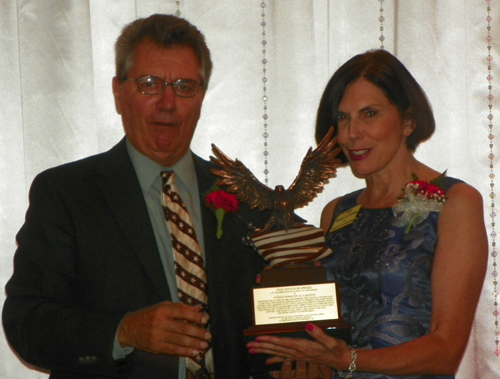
{"x":57,"y":105}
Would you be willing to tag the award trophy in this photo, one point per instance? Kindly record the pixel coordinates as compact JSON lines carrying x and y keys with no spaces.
{"x":293,"y":291}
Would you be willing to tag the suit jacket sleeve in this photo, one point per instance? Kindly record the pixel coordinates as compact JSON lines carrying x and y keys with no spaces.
{"x":86,"y":256}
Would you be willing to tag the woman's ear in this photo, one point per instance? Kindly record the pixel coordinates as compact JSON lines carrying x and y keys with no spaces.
{"x":409,"y":127}
{"x":409,"y":123}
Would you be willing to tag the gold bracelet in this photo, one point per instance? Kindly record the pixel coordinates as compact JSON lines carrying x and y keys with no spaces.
{"x":352,"y":365}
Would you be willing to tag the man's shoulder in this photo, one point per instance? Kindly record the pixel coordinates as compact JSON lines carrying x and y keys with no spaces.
{"x":78,"y":167}
{"x":84,"y":173}
{"x":203,"y":164}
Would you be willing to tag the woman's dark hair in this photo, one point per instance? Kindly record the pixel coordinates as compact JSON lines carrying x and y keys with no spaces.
{"x":385,"y":71}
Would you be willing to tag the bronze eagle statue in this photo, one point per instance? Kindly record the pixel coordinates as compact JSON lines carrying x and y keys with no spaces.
{"x":318,"y":166}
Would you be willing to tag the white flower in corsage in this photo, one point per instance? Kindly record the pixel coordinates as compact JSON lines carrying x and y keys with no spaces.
{"x":420,"y":199}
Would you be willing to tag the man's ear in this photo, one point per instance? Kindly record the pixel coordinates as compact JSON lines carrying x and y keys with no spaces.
{"x":116,"y":93}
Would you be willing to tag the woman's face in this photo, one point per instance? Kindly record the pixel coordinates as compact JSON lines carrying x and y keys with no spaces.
{"x":372,"y":133}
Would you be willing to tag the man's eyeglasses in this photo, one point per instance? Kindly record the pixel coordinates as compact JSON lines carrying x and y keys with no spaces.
{"x":152,"y":85}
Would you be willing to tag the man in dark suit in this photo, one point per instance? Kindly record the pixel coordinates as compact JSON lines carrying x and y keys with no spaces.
{"x":93,"y":292}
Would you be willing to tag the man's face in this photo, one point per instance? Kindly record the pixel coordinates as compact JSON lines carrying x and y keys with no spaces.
{"x":160,"y":126}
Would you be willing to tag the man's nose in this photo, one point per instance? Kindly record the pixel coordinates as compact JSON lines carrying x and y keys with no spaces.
{"x":167,"y":100}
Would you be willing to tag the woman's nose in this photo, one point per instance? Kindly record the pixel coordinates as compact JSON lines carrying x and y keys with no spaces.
{"x":354,"y":129}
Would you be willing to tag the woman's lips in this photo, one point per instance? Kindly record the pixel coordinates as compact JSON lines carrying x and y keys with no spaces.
{"x":357,"y":155}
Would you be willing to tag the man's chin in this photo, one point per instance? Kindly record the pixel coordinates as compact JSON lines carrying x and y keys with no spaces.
{"x":166,"y":158}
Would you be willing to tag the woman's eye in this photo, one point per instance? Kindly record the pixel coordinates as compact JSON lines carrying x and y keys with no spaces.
{"x":371,"y":113}
{"x":341,"y":117}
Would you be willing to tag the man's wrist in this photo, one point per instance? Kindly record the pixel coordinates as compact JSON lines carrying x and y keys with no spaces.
{"x":120,"y":348}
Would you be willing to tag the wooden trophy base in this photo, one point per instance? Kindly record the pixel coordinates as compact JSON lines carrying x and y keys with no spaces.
{"x":293,"y":275}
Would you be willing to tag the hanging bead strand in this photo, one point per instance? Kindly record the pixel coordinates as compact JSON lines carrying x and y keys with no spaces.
{"x":264,"y":87}
{"x":178,"y":11}
{"x":381,"y":19}
{"x":491,"y":156}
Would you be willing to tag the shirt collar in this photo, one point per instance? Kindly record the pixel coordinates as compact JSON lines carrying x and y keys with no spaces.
{"x":148,"y":171}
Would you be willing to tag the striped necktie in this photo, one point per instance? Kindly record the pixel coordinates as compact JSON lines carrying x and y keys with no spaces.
{"x":189,"y":266}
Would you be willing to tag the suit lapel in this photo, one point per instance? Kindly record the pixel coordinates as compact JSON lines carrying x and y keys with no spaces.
{"x":120,"y":186}
{"x":205,"y":181}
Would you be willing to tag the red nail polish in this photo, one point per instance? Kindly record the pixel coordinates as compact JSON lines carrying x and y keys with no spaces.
{"x":258,"y":340}
{"x":249,"y":346}
{"x":310,"y":327}
{"x":252,"y":352}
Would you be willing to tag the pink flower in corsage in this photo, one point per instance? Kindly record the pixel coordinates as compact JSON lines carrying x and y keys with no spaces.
{"x":221,"y":203}
{"x":420,"y":199}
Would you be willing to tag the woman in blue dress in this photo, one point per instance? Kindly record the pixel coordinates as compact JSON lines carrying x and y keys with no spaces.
{"x":411,"y":260}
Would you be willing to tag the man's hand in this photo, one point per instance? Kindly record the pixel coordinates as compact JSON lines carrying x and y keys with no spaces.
{"x":165,"y":328}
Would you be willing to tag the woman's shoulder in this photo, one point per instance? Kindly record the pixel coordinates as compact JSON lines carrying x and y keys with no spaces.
{"x":461,"y":197}
{"x":448,"y":182}
{"x":346,"y":201}
{"x":458,"y":188}
{"x":327,"y":214}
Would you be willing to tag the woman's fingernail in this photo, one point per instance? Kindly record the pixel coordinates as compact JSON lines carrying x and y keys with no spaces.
{"x":249,"y":346}
{"x":258,"y":340}
{"x":310,"y":327}
{"x":252,"y":352}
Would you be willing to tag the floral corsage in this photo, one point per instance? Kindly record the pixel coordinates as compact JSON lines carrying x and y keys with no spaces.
{"x":221,"y":203}
{"x":420,"y":198}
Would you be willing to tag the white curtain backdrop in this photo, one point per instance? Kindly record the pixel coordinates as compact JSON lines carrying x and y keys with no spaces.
{"x":56,"y":65}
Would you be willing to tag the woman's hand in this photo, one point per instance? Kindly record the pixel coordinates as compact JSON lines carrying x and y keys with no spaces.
{"x":324,"y":350}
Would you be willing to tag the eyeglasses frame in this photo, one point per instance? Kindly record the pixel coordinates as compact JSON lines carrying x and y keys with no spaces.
{"x":165,"y":84}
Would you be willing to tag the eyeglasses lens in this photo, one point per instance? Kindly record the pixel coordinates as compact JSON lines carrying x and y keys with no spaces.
{"x":152,"y":85}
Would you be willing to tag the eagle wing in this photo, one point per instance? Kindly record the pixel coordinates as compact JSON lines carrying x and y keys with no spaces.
{"x":317,"y":167}
{"x":241,"y":181}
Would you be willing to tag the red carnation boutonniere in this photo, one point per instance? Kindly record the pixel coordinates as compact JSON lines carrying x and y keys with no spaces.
{"x":420,"y":199}
{"x":221,"y":203}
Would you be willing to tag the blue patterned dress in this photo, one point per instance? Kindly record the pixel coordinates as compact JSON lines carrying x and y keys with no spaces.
{"x":383,"y":276}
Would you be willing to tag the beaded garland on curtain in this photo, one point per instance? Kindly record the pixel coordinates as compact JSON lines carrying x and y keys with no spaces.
{"x":264,"y":86}
{"x":381,"y":19}
{"x":491,"y":156}
{"x":178,"y":11}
